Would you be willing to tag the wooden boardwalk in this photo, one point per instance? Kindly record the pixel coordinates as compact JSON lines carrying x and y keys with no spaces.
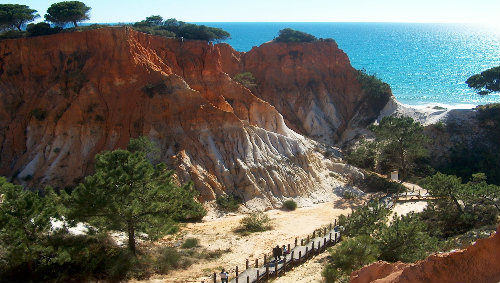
{"x":300,"y":253}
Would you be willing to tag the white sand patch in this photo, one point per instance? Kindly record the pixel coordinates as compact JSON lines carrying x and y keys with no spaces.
{"x":427,"y":114}
{"x":407,"y":207}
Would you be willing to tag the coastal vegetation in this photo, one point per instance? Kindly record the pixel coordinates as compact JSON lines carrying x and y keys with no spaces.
{"x":486,"y":82}
{"x":290,"y":204}
{"x":228,"y":203}
{"x":290,"y":35}
{"x":126,"y":194}
{"x":174,"y":28}
{"x":254,"y":222}
{"x":66,"y":12}
{"x":15,"y":16}
{"x":399,"y":145}
{"x":246,"y":78}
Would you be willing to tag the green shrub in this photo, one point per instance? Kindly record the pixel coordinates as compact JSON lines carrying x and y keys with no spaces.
{"x":373,"y":86}
{"x":190,"y":243}
{"x":228,"y":203}
{"x":41,"y":29}
{"x":365,"y":220}
{"x":39,"y":114}
{"x":13,"y":34}
{"x":255,"y":222}
{"x":375,"y":183}
{"x":406,"y":239}
{"x":290,"y":35}
{"x":246,"y":78}
{"x":168,"y":259}
{"x":349,"y":255}
{"x":349,"y":195}
{"x":363,"y":155}
{"x":173,"y":28}
{"x":290,"y":204}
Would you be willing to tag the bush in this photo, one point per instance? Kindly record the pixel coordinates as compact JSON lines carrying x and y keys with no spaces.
{"x":363,"y":155}
{"x":13,"y":34}
{"x":349,"y":195}
{"x":375,"y":183}
{"x":168,"y":259}
{"x":228,"y":203}
{"x":255,"y":222}
{"x":173,"y":28}
{"x":349,"y":255}
{"x":190,"y":243}
{"x":406,"y":239}
{"x":373,"y":86}
{"x":81,"y":258}
{"x":365,"y":220}
{"x":290,"y":204}
{"x":246,"y":78}
{"x":41,"y":29}
{"x":290,"y":35}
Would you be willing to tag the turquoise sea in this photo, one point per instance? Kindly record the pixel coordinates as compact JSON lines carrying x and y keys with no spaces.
{"x":424,"y":63}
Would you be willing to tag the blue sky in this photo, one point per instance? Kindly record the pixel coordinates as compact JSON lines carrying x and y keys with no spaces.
{"x":432,"y":11}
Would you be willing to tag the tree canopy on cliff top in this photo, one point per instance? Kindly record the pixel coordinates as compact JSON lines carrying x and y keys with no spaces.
{"x":15,"y":16}
{"x":291,"y":35}
{"x":67,"y":12}
{"x":174,"y":28}
{"x":486,"y":82}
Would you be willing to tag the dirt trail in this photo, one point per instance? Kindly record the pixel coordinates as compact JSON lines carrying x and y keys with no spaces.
{"x":218,"y":235}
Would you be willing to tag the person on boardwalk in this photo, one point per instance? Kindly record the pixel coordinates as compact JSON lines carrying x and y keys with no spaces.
{"x":223,"y":276}
{"x":277,"y":252}
{"x":285,"y":251}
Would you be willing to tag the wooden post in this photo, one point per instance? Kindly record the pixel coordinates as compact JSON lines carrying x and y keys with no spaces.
{"x":335,"y":223}
{"x":246,"y":264}
{"x":300,"y":255}
{"x":301,"y":242}
{"x":324,"y":231}
{"x":288,"y":248}
{"x":257,"y":276}
{"x":267,"y":271}
{"x":248,"y":279}
{"x":265,"y":259}
{"x":275,"y":269}
{"x":292,"y":258}
{"x":284,"y":265}
{"x":307,"y":248}
{"x":215,"y":277}
{"x":330,"y":227}
{"x":312,"y":248}
{"x":335,"y":237}
{"x":236,"y":274}
{"x":324,"y":244}
{"x":314,"y":234}
{"x":256,"y":263}
{"x":330,"y":238}
{"x":295,"y":242}
{"x":307,"y":238}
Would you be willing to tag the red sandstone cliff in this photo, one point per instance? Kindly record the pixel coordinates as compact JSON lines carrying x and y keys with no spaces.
{"x":479,"y":263}
{"x":66,"y":97}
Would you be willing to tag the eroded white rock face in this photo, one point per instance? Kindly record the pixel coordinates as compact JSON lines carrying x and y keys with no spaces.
{"x":264,"y":168}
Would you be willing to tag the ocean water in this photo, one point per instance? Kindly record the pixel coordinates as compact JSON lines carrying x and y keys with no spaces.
{"x":425,"y":64}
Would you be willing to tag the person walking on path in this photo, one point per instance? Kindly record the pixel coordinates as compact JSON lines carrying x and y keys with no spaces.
{"x":277,"y":252}
{"x":223,"y":276}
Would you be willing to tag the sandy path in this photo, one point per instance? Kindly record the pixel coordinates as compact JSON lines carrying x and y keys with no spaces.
{"x":218,"y":234}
